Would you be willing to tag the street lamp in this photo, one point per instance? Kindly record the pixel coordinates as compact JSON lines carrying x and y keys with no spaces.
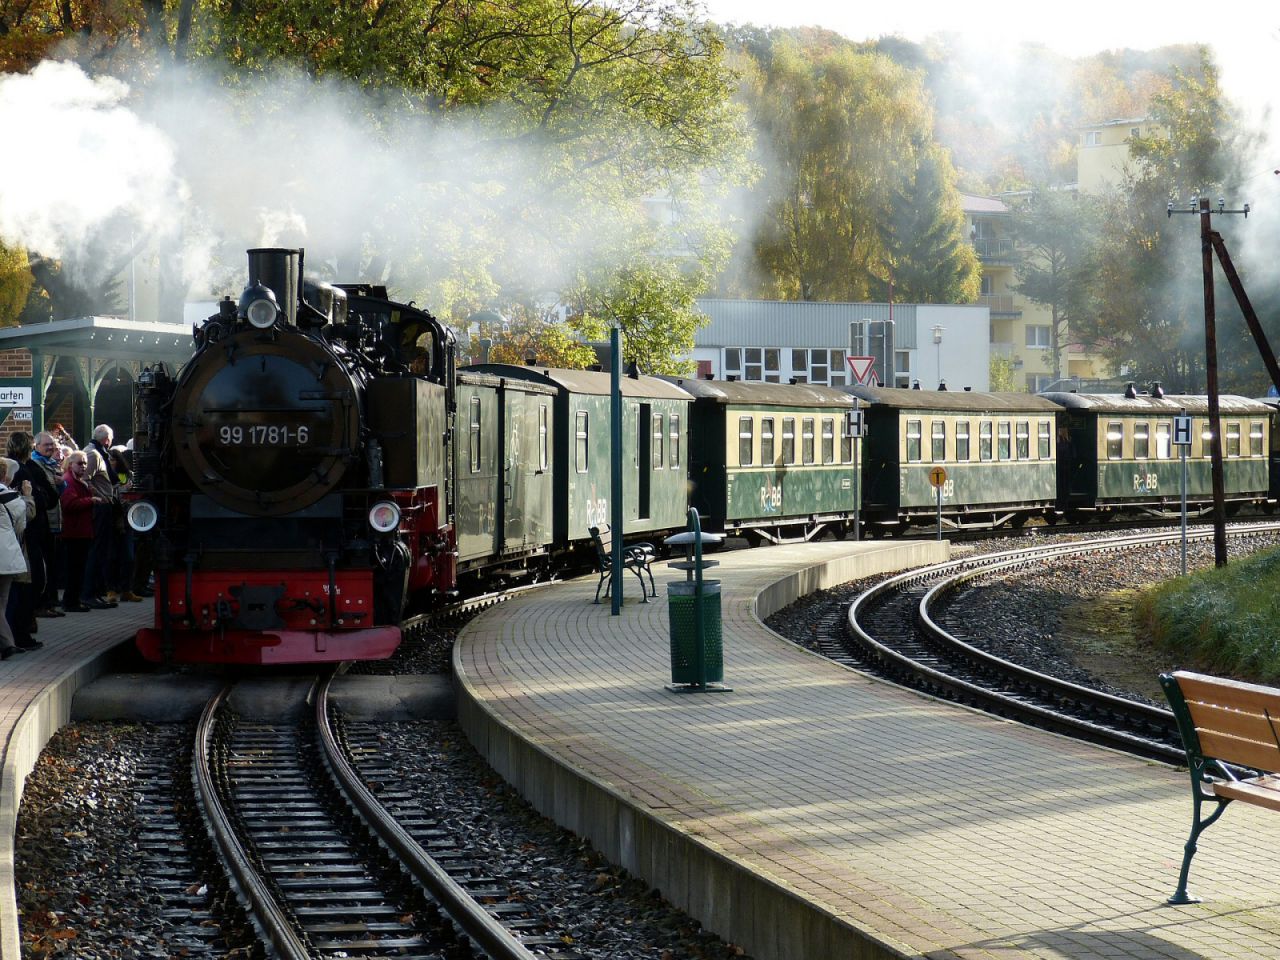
{"x":937,"y":342}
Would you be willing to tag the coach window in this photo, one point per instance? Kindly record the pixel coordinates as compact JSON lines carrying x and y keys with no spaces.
{"x":1233,"y":438}
{"x":1255,"y":438}
{"x":1141,"y":441}
{"x":846,"y":442}
{"x":658,"y":433}
{"x":962,"y":441}
{"x":806,"y":439}
{"x":581,"y":444}
{"x":984,"y":440}
{"x":474,"y":435}
{"x":939,"y":445}
{"x":1023,"y":436}
{"x":1206,"y":439}
{"x":828,"y":440}
{"x":1115,"y":440}
{"x":1163,"y":450}
{"x":544,"y":452}
{"x":1003,"y":434}
{"x":913,"y":441}
{"x":766,"y":441}
{"x":1045,"y":439}
{"x":746,"y":441}
{"x":675,"y":440}
{"x":788,"y":440}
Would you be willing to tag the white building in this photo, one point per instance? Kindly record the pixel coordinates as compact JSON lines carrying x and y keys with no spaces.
{"x":777,"y":342}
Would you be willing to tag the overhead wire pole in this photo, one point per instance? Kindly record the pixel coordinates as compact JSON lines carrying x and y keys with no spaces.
{"x":1208,"y":241}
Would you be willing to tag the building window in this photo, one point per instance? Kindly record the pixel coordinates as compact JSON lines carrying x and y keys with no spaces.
{"x":1141,"y":441}
{"x":806,"y":439}
{"x":913,"y":441}
{"x":1163,"y":448}
{"x":1045,"y":439}
{"x":984,"y":440}
{"x":544,"y":436}
{"x":675,"y":440}
{"x":474,"y":435}
{"x":1255,"y":438}
{"x":1115,"y":440}
{"x":754,"y":369}
{"x":1038,"y":337}
{"x":746,"y":441}
{"x":800,"y":360}
{"x":939,"y":441}
{"x":1093,"y":138}
{"x":580,"y":444}
{"x":732,"y":360}
{"x":962,"y":441}
{"x":766,"y":441}
{"x":1003,"y":437}
{"x":658,"y":435}
{"x":828,"y":440}
{"x":788,"y":440}
{"x":1023,"y":436}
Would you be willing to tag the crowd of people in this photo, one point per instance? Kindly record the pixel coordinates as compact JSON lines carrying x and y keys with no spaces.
{"x":64,"y":545}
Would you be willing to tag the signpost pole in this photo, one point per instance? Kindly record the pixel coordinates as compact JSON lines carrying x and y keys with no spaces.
{"x":1182,"y":440}
{"x":938,"y":477}
{"x":939,"y":511}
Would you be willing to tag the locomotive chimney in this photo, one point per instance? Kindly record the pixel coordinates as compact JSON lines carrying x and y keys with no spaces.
{"x":278,"y":268}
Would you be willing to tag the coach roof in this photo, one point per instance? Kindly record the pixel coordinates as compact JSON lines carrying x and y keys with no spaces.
{"x":585,"y":381}
{"x":957,"y":401}
{"x":764,"y":394}
{"x":1167,"y":406}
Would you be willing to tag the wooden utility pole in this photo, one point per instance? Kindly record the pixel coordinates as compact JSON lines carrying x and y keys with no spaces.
{"x":1209,"y":242}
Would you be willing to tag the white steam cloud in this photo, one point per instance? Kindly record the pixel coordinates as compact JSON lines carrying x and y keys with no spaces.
{"x":430,"y":203}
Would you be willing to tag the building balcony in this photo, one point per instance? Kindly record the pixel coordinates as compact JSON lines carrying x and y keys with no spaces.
{"x":1001,"y":306}
{"x":995,"y":249}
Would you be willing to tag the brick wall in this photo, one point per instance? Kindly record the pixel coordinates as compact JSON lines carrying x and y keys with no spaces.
{"x":14,"y":363}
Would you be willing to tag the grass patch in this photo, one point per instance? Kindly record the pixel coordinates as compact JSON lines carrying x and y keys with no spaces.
{"x":1226,"y":621}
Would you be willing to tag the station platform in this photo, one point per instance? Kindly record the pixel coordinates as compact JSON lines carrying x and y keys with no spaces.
{"x":816,"y":813}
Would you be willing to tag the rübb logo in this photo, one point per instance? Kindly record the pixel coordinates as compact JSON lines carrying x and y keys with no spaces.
{"x":15,"y":396}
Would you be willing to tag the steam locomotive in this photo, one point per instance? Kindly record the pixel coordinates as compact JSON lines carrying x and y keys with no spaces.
{"x":291,"y":481}
{"x":319,"y":468}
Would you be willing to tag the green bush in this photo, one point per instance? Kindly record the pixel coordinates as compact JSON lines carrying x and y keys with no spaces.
{"x":1224,"y":621}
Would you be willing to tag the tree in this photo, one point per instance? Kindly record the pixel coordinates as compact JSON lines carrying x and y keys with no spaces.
{"x":1148,"y":306}
{"x":844,"y":131}
{"x":923,"y":237}
{"x":15,"y":284}
{"x":1003,"y":376}
{"x":1056,"y":233}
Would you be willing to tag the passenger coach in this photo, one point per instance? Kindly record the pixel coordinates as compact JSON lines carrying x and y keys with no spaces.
{"x":1118,"y":452}
{"x":998,"y":451}
{"x":772,"y":462}
{"x":655,"y":427}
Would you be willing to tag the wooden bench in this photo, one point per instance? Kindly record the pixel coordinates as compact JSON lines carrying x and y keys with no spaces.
{"x":1231,"y":732}
{"x":636,"y":557}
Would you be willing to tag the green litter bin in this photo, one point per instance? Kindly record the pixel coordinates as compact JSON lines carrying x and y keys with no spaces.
{"x":682,"y":608}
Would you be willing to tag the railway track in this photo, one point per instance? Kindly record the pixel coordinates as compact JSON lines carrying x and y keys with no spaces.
{"x":893,"y":630}
{"x":327,"y":866}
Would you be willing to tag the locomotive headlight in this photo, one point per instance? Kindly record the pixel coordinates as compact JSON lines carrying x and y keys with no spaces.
{"x":142,"y":516}
{"x":258,"y":306}
{"x":384,"y":516}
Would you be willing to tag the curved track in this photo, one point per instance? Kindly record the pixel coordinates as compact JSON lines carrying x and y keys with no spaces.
{"x":893,"y":631}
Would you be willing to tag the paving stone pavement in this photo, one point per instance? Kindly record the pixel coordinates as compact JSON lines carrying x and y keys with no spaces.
{"x":905,"y":826}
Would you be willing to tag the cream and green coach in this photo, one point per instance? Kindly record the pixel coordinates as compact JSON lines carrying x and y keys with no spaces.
{"x":1119,"y":452}
{"x":771,"y":461}
{"x":997,"y":452}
